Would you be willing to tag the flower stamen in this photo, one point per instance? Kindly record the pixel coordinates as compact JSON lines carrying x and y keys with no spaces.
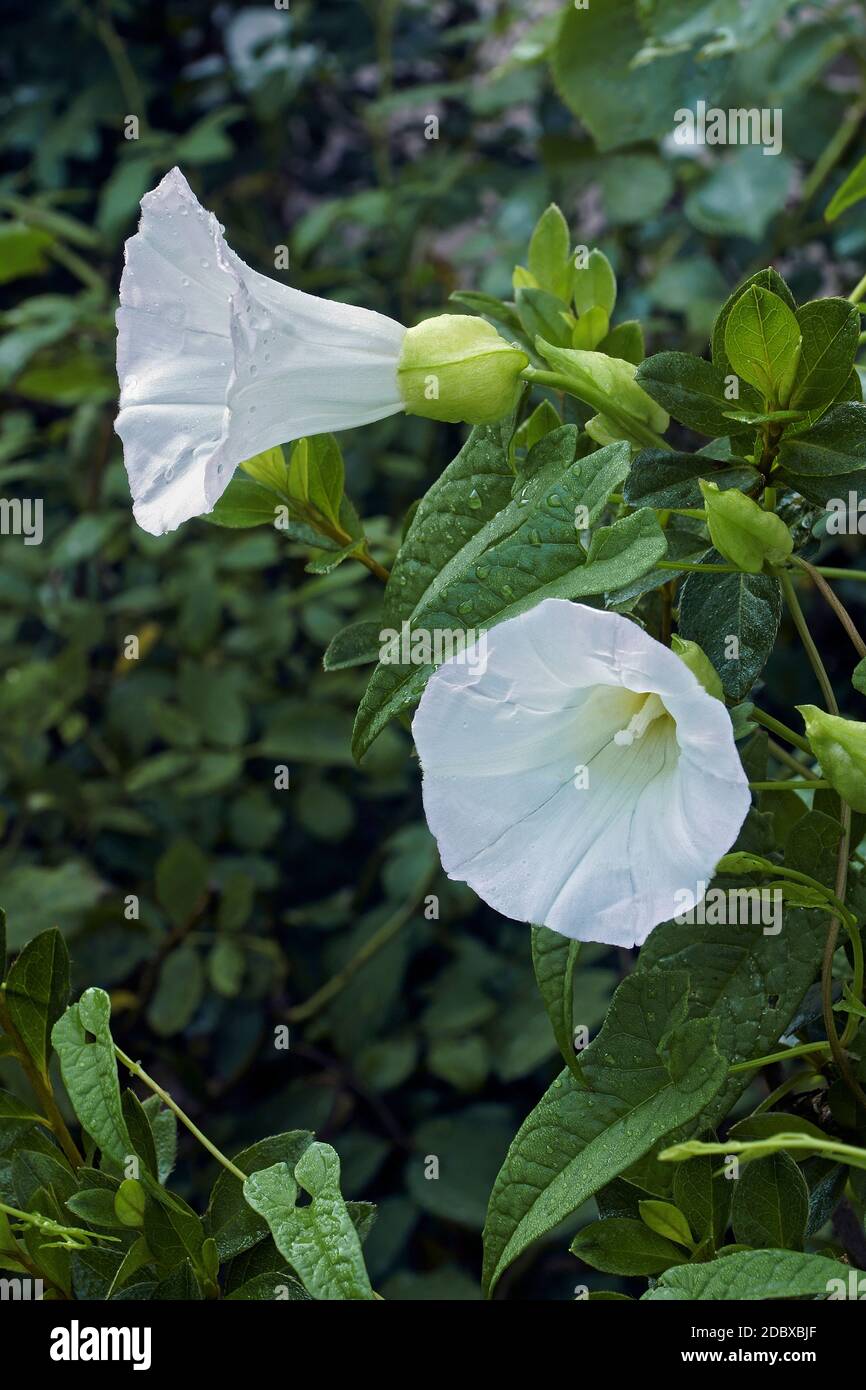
{"x":652,"y":708}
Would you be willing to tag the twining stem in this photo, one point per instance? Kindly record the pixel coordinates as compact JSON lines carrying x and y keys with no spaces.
{"x":858,"y":292}
{"x":48,"y":1225}
{"x":600,"y":401}
{"x":836,"y":1047}
{"x":828,"y":571}
{"x":789,"y":1084}
{"x":801,"y":1050}
{"x":806,"y":638}
{"x":831,"y":154}
{"x":835,"y":572}
{"x":698,"y":568}
{"x":776,"y":726}
{"x":783,"y":756}
{"x":373,"y":565}
{"x":138,"y":1070}
{"x":835,"y":603}
{"x":41,"y":1089}
{"x":838,"y":1053}
{"x":371,"y":947}
{"x":790,"y":784}
{"x":856,"y":985}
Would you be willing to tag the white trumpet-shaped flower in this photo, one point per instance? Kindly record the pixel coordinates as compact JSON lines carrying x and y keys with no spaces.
{"x":581,"y":777}
{"x":217,"y":363}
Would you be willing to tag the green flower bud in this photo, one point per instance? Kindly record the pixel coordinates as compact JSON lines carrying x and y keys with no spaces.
{"x":742,"y":531}
{"x":700,"y":665}
{"x":457,"y":368}
{"x":840,"y":747}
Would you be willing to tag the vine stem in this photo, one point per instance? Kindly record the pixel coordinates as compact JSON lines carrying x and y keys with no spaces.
{"x":836,"y":1047}
{"x":371,"y":947}
{"x":828,"y":571}
{"x":790,"y":784}
{"x":838,"y":1052}
{"x":858,"y":292}
{"x":831,"y":154}
{"x":41,"y":1089}
{"x":806,"y":638}
{"x":835,"y":603}
{"x":776,"y":726}
{"x":783,"y":756}
{"x":138,"y":1070}
{"x":801,"y":1050}
{"x":559,"y":381}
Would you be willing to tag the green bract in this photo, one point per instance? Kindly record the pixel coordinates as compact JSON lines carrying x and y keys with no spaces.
{"x":699,"y":664}
{"x":840,"y":747}
{"x":457,"y":368}
{"x":742,"y":531}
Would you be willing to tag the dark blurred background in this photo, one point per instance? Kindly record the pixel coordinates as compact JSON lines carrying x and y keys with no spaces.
{"x":137,"y":799}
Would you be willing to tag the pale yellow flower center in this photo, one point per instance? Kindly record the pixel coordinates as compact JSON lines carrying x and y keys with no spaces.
{"x":652,"y":708}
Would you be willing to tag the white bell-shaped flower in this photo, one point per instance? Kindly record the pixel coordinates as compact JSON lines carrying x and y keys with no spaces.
{"x":580,"y":777}
{"x":217,"y":363}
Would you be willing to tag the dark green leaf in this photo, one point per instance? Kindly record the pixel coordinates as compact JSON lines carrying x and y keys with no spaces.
{"x":623,"y":1246}
{"x":715,"y":608}
{"x":693,"y":391}
{"x":554,"y":958}
{"x":659,"y":478}
{"x":36,"y":993}
{"x":771,"y":1204}
{"x":756,"y":1274}
{"x":830,"y":329}
{"x":649,"y":1071}
{"x":232,"y":1222}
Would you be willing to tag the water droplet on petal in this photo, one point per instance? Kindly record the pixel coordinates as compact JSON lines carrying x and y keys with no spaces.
{"x":464,"y":609}
{"x":482,"y":571}
{"x":474,"y":499}
{"x":554,"y":500}
{"x":204,"y":264}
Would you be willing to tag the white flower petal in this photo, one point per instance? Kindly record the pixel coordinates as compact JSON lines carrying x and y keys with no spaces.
{"x":217,"y":363}
{"x":501,"y":749}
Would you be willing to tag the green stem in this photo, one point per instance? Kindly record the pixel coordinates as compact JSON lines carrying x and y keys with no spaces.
{"x":836,"y":1047}
{"x":835,"y":572}
{"x":858,"y":292}
{"x":831,"y":155}
{"x":138,"y":1070}
{"x":806,"y":638}
{"x":77,"y":266}
{"x":776,"y":726}
{"x":835,"y":603}
{"x":840,"y":913}
{"x":783,"y":1090}
{"x":371,"y":947}
{"x":588,"y":392}
{"x":783,"y":756}
{"x":853,"y":1023}
{"x":41,"y":1089}
{"x":697,"y":568}
{"x":801,"y":1050}
{"x":56,"y":1228}
{"x":790,"y":784}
